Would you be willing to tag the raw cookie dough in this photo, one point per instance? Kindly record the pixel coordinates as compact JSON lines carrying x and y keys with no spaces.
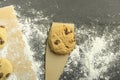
{"x":2,"y":36}
{"x":5,"y":68}
{"x":61,"y":38}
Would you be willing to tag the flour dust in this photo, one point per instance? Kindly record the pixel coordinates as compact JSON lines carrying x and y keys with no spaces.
{"x":95,"y":54}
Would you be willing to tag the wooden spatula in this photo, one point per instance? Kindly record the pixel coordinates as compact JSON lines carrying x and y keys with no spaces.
{"x":54,"y":63}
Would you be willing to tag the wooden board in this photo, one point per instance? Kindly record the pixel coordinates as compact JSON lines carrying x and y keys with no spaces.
{"x":54,"y":64}
{"x":15,"y":45}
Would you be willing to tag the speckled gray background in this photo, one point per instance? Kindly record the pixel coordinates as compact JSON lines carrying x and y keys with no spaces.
{"x":101,"y":17}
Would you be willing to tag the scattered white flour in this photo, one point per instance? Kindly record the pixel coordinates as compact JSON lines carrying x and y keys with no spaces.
{"x":3,"y":52}
{"x":96,"y":56}
{"x":97,"y":45}
{"x":95,"y":59}
{"x":29,"y":27}
{"x":74,"y":56}
{"x":28,"y":53}
{"x":12,"y":77}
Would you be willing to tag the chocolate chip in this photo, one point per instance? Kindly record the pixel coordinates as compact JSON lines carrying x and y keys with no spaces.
{"x":1,"y":41}
{"x":74,"y":38}
{"x":67,"y":32}
{"x":1,"y":75}
{"x":8,"y":74}
{"x":2,"y":26}
{"x":0,"y":65}
{"x":66,"y":46}
{"x":57,"y":42}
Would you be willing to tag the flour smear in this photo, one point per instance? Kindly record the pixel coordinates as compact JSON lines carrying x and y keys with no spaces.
{"x":95,"y":58}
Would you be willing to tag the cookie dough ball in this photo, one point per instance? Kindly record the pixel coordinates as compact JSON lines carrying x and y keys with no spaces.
{"x":61,"y":39}
{"x":5,"y":68}
{"x":2,"y":36}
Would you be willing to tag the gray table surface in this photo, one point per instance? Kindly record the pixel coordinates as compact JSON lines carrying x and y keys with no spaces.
{"x":93,"y":18}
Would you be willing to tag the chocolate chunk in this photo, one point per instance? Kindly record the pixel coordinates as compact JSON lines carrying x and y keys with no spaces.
{"x":57,"y":42}
{"x":66,"y":46}
{"x":0,"y":65}
{"x":74,"y":38}
{"x":67,"y":32}
{"x":1,"y":75}
{"x":2,"y":26}
{"x":1,"y":41}
{"x":8,"y":74}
